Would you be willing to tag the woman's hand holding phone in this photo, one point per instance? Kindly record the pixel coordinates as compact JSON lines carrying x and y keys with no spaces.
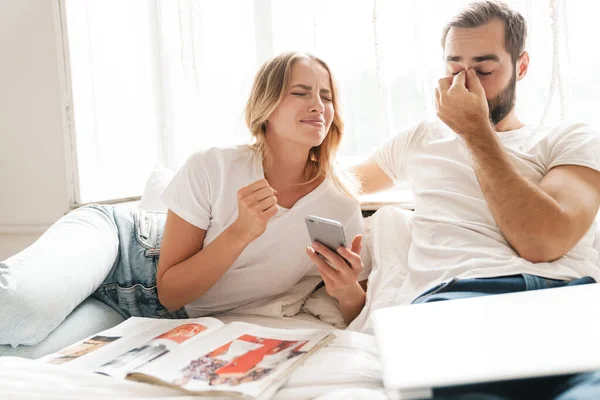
{"x":257,"y":204}
{"x":341,"y":278}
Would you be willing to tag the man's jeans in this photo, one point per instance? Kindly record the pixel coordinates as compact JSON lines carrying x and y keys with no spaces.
{"x":564,"y":387}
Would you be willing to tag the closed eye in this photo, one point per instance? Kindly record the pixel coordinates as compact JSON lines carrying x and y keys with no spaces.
{"x":304,"y":94}
{"x":478,"y":73}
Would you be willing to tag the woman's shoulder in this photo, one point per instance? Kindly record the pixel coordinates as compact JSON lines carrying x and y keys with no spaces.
{"x":334,"y":200}
{"x":218,"y":156}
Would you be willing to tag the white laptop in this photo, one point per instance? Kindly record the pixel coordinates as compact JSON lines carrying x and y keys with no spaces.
{"x":492,"y":338}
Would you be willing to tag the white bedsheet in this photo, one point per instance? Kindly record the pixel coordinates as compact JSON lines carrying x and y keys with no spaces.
{"x":348,"y":368}
{"x":388,"y":239}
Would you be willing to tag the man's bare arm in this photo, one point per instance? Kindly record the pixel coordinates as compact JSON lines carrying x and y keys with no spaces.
{"x":372,"y":177}
{"x":543,"y":222}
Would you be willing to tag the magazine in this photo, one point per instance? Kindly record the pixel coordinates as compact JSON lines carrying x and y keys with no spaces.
{"x":202,"y":356}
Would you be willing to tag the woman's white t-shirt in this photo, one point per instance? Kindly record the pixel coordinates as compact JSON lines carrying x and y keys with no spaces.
{"x":204,"y":193}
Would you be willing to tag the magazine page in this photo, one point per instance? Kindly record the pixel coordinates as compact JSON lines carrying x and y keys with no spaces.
{"x":135,"y":341}
{"x":242,"y":358}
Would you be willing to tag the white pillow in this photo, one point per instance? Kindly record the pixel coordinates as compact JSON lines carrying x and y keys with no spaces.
{"x":155,"y":186}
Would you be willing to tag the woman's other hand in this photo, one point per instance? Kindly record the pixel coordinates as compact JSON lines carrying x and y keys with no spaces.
{"x":256,"y":205}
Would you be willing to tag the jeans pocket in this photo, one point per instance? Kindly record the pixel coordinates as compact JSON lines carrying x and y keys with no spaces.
{"x":148,"y":228}
{"x":140,"y":301}
{"x":136,"y":301}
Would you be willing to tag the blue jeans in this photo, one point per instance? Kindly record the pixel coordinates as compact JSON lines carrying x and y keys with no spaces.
{"x":108,"y":252}
{"x":130,"y":287}
{"x":564,"y":387}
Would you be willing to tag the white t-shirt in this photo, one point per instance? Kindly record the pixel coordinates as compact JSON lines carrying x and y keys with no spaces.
{"x":454,"y":234}
{"x":204,"y":193}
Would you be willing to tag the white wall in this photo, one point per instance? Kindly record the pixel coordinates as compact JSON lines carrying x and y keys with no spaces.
{"x":34,"y":190}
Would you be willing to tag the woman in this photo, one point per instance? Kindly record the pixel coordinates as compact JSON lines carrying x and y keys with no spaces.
{"x":234,"y":231}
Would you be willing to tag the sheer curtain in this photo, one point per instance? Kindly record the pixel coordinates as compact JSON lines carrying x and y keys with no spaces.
{"x":167,"y":78}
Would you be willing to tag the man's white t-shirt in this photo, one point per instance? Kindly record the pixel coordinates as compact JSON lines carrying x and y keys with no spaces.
{"x":204,"y":193}
{"x":454,"y":234}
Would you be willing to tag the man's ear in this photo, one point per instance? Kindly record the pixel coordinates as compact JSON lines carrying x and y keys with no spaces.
{"x":522,"y":65}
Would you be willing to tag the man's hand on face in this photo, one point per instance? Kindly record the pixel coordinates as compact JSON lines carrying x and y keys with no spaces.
{"x":461,"y":104}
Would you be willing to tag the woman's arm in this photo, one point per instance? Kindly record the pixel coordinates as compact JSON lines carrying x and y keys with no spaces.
{"x":187,"y":269}
{"x":353,"y":304}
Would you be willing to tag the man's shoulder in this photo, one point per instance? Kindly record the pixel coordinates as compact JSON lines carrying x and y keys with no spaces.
{"x":428,"y":126}
{"x":421,"y":129}
{"x":569,"y":129}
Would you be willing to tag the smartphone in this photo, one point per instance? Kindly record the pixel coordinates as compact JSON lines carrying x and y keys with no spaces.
{"x":328,"y":232}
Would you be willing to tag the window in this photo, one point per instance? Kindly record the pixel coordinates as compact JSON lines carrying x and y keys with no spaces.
{"x":155,"y":80}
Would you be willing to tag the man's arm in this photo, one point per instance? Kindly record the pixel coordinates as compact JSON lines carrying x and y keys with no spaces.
{"x":543,"y":222}
{"x":372,"y":177}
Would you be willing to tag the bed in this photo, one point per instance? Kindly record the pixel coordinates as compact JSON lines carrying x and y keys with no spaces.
{"x":348,"y":368}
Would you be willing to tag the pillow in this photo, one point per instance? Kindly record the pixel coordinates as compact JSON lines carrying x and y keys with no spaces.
{"x":155,"y":186}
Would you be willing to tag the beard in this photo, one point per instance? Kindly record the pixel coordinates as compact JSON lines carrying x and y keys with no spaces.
{"x":502,"y":104}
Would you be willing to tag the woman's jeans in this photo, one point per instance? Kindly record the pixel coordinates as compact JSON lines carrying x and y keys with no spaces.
{"x":108,"y":252}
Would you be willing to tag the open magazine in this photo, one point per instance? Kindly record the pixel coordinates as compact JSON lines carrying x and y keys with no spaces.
{"x":201,"y":356}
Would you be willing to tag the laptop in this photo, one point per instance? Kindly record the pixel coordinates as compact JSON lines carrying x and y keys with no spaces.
{"x":485,"y":339}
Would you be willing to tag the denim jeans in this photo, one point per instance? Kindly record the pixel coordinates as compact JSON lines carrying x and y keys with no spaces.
{"x":130,"y":287}
{"x":108,"y":252}
{"x":564,"y":387}
{"x":463,"y":288}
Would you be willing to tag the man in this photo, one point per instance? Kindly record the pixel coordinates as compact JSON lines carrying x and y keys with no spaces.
{"x":499,"y":206}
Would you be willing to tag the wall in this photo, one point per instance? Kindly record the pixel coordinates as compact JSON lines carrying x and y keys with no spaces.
{"x":34,"y":188}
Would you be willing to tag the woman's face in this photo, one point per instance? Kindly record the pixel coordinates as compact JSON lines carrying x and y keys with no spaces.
{"x":305,"y":114}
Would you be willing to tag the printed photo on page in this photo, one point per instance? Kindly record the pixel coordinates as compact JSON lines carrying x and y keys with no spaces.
{"x":81,"y":349}
{"x":150,"y":351}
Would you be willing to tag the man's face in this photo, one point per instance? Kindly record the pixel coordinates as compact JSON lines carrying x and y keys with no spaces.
{"x":483,"y":49}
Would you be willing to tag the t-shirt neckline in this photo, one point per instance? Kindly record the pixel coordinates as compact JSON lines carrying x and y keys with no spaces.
{"x":259,"y":173}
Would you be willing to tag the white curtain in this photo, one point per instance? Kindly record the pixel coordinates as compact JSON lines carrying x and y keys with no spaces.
{"x":173,"y":76}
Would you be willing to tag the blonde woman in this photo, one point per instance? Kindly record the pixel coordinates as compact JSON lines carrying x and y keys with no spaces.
{"x":234,"y":232}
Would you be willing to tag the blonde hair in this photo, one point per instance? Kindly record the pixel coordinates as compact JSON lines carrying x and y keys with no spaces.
{"x":268,"y":90}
